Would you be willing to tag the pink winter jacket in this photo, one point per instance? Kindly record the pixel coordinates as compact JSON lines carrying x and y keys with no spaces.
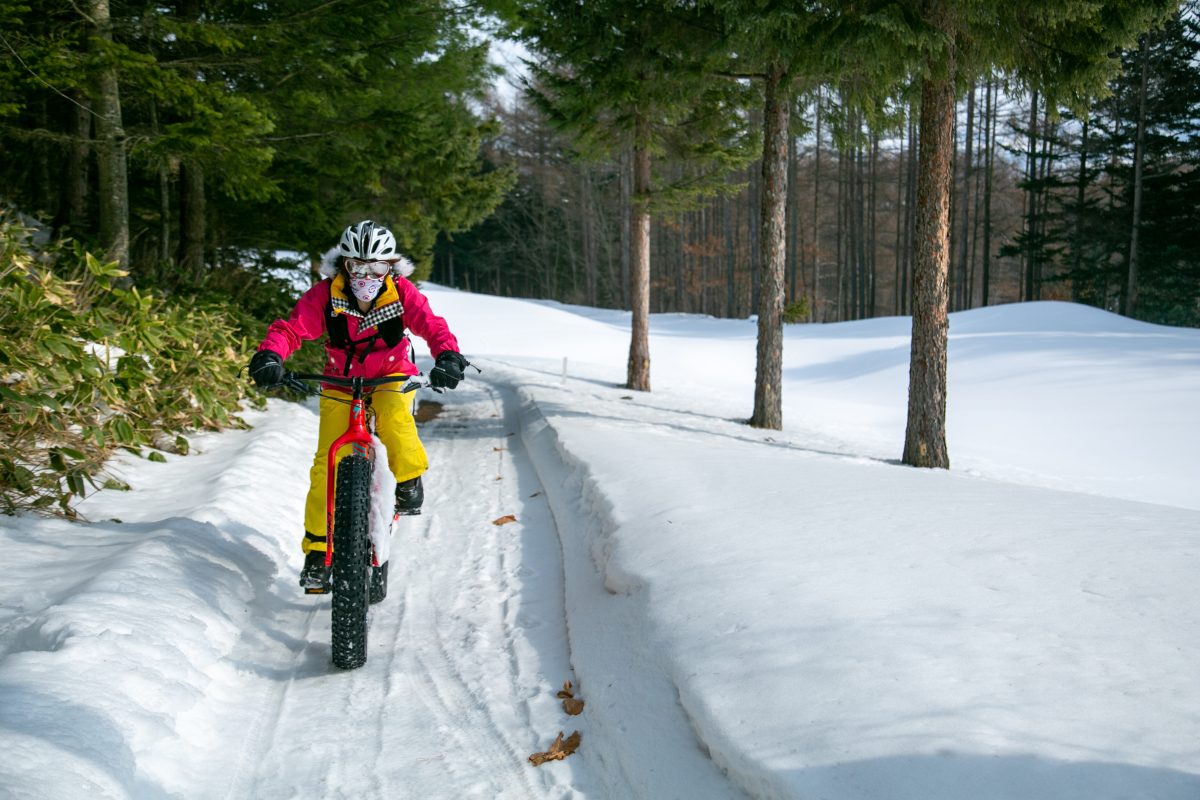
{"x":307,"y":322}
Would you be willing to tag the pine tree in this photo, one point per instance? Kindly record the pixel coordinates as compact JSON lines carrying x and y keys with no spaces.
{"x":1062,"y":48}
{"x":623,"y":74}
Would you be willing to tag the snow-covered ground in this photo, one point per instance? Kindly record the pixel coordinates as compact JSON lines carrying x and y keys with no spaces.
{"x":746,"y":613}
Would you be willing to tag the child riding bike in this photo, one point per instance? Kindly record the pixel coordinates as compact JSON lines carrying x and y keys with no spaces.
{"x":364,"y":303}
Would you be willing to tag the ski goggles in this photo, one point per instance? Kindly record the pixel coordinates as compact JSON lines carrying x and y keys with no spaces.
{"x":367,"y":269}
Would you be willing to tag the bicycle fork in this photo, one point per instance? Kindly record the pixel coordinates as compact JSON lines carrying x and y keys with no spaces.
{"x":358,"y":436}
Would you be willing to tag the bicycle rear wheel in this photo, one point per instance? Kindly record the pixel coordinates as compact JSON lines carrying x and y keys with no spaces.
{"x":351,"y":561}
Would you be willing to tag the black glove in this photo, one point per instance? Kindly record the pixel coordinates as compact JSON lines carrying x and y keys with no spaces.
{"x":266,"y":368}
{"x":448,"y":371}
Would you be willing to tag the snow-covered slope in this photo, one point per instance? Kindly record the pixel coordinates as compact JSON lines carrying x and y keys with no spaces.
{"x":1052,"y":394}
{"x":779,"y":614}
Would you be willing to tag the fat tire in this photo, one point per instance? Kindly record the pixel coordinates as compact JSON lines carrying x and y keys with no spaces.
{"x":351,"y":562}
{"x":379,"y":577}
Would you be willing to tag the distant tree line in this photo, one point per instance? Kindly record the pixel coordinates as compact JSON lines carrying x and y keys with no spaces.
{"x":1041,"y":209}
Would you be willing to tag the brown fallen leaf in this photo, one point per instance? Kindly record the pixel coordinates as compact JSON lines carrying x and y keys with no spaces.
{"x":535,"y":494}
{"x":495,"y":415}
{"x":499,"y":449}
{"x":566,"y":690}
{"x":572,"y":706}
{"x":507,"y":518}
{"x":558,"y":751}
{"x":509,"y":434}
{"x":497,"y":477}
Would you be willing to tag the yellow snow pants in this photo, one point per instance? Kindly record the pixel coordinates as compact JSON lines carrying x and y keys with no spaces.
{"x":396,"y":429}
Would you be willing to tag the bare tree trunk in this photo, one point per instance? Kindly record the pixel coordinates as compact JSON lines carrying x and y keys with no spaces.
{"x":1030,"y":197}
{"x":925,"y":438}
{"x":963,"y":292}
{"x":191,"y":220}
{"x":1080,"y":199}
{"x":873,"y":252}
{"x":110,"y":150}
{"x":816,"y":283}
{"x":841,"y":234}
{"x":1139,"y":156}
{"x":990,"y":121}
{"x":639,"y":345}
{"x":768,"y":398}
{"x":43,"y":190}
{"x":589,"y":257}
{"x":900,"y":207}
{"x":860,"y":237}
{"x":729,"y":297}
{"x":73,"y":197}
{"x":755,"y":232}
{"x":792,"y":231}
{"x":626,"y":213}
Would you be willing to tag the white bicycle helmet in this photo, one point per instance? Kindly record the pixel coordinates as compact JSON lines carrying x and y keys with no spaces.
{"x":368,"y":240}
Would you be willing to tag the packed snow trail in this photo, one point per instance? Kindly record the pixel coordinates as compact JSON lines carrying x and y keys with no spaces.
{"x":172,"y":654}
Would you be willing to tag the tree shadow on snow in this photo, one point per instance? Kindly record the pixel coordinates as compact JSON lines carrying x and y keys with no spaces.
{"x":957,"y":776}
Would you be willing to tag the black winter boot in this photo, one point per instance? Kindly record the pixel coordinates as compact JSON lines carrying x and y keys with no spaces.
{"x":316,"y":578}
{"x":409,"y":497}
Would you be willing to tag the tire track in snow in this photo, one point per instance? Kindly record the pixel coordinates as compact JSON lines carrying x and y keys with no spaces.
{"x":464,"y":654}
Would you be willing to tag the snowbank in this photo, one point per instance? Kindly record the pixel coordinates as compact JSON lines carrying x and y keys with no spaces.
{"x":822,"y":622}
{"x":1049,"y":394}
{"x":843,"y":628}
{"x":127,"y":646}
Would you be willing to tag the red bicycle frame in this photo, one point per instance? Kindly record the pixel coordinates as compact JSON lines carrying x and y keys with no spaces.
{"x":359,"y":436}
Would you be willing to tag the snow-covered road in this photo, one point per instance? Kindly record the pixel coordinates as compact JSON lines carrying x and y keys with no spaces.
{"x":185,"y":664}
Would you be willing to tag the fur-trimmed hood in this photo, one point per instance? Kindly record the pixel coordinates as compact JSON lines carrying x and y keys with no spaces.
{"x":328,"y":269}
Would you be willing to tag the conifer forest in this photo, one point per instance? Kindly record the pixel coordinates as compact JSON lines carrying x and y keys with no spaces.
{"x":804,"y":163}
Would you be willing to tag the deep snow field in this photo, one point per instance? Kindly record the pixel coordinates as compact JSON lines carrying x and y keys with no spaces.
{"x":785,"y":614}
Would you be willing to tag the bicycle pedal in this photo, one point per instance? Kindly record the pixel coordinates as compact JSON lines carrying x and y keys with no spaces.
{"x":406,"y":512}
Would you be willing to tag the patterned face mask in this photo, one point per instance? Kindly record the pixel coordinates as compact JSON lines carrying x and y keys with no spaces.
{"x":365,"y":289}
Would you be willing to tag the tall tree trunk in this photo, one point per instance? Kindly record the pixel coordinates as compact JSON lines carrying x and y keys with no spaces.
{"x":910,"y":215}
{"x":768,"y":398}
{"x":860,"y":237}
{"x":1139,"y":156}
{"x":626,"y":216}
{"x":639,"y":345}
{"x":191,"y":219}
{"x":963,"y":292}
{"x":589,"y":257}
{"x":43,"y":189}
{"x":729,"y":296}
{"x":840,"y":233}
{"x":900,"y":206}
{"x":873,"y":252}
{"x":110,"y":150}
{"x":791,"y":218}
{"x":72,"y":206}
{"x":816,"y":221}
{"x":925,"y":438}
{"x":756,"y":196}
{"x":164,"y":198}
{"x":1031,"y":197}
{"x":1080,"y":199}
{"x":990,"y":121}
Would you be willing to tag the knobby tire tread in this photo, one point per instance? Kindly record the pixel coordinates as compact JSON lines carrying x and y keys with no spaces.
{"x":351,"y":561}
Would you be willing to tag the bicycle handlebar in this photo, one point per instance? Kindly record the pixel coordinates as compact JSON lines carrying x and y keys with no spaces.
{"x":292,"y":380}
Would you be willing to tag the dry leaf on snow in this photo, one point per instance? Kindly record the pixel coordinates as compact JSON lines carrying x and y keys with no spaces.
{"x":507,"y":518}
{"x":499,"y":449}
{"x":508,"y":434}
{"x":558,"y":751}
{"x":570,"y":704}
